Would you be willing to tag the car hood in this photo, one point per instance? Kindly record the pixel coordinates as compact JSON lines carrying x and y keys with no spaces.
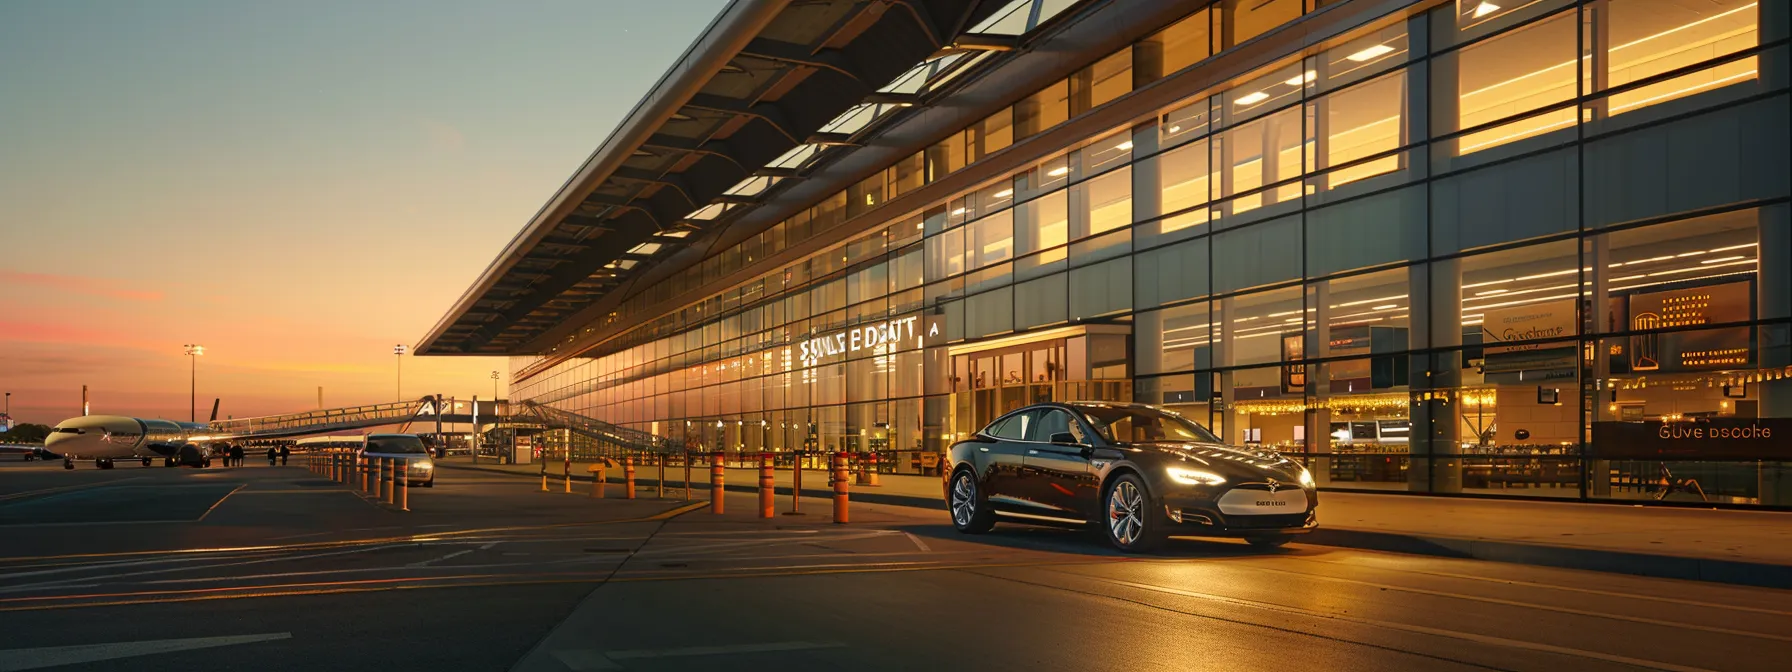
{"x":1228,"y":460}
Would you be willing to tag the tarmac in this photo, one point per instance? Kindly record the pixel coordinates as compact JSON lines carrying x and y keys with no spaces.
{"x":1750,"y":548}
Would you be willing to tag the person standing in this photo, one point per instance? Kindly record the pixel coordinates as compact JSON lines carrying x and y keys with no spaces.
{"x":284,"y":453}
{"x":273,"y":456}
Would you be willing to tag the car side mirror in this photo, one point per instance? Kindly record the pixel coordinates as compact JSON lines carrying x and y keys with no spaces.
{"x":1065,"y":439}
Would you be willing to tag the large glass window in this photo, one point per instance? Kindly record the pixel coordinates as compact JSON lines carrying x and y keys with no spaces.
{"x":1504,"y":76}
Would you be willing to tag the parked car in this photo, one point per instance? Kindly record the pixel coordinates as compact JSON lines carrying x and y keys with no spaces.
{"x":421,"y":469}
{"x":1137,"y":472}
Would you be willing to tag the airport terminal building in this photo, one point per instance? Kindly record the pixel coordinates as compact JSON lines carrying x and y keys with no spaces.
{"x":1535,"y":248}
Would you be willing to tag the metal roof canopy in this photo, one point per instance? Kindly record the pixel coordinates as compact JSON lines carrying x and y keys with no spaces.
{"x":766,"y":77}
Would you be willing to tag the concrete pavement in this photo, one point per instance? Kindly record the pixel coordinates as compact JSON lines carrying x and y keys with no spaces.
{"x":1719,"y":545}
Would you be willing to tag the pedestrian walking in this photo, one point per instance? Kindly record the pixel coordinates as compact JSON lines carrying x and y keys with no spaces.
{"x":284,"y":453}
{"x":236,"y":455}
{"x":273,"y":456}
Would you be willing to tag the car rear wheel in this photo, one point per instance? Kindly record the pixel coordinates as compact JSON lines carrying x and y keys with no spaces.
{"x":970,"y":509}
{"x":1134,"y":523}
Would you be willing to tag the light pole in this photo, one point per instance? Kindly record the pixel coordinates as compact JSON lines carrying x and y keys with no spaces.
{"x":193,"y":353}
{"x":399,"y":351}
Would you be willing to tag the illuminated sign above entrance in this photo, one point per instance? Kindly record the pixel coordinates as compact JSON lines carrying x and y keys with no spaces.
{"x":881,"y":334}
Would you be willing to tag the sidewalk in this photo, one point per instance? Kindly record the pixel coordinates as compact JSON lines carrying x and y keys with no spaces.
{"x":1726,"y":546}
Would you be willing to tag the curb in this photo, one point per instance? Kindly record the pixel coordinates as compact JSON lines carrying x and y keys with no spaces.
{"x":1710,"y":570}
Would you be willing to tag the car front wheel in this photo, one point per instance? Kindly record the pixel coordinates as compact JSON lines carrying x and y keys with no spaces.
{"x":970,"y":509}
{"x":1133,"y":522}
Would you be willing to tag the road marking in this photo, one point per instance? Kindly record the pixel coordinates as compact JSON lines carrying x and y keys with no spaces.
{"x":53,"y":656}
{"x":426,"y":563}
{"x":1390,"y":625}
{"x":216,"y":504}
{"x":587,"y":660}
{"x":918,"y":543}
{"x":67,"y":488}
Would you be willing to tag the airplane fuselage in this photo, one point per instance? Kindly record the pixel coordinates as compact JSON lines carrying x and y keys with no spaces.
{"x":115,"y":437}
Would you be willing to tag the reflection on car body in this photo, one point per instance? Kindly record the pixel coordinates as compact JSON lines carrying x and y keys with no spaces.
{"x":1142,"y":473}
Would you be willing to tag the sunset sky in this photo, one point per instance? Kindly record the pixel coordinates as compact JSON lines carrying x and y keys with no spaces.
{"x":298,"y":186}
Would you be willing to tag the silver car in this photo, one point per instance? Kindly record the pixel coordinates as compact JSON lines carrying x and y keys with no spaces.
{"x":408,"y":448}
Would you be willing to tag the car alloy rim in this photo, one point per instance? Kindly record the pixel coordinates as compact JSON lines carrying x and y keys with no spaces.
{"x":1125,"y":513}
{"x":963,"y":504}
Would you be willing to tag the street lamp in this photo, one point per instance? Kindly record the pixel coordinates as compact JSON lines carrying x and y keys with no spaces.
{"x":399,"y":351}
{"x":193,"y":353}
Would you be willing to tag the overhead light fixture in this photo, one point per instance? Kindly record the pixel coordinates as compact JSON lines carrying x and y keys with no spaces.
{"x":1124,"y":146}
{"x":1252,"y":98}
{"x":958,"y":212}
{"x":1300,"y":79}
{"x":1060,"y":171}
{"x":1371,"y":53}
{"x":1391,"y":305}
{"x":1175,"y":129}
{"x":675,"y":233}
{"x":1004,"y":193}
{"x":1485,"y":8}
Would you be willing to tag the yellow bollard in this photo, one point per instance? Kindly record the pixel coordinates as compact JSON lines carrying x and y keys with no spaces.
{"x":404,"y":483}
{"x":628,"y":477}
{"x":392,"y":486}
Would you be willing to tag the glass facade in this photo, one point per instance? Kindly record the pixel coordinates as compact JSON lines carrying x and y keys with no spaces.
{"x":1539,"y":250}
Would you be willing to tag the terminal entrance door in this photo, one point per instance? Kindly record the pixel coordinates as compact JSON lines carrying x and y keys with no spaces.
{"x":989,"y":383}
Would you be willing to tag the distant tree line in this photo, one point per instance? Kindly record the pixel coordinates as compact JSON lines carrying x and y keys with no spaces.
{"x":25,"y":433}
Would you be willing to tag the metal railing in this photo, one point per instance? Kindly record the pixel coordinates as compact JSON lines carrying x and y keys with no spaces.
{"x":611,"y":440}
{"x":317,"y":422}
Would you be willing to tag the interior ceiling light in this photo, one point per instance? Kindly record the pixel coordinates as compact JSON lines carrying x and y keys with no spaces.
{"x":1371,"y":53}
{"x":1060,"y":171}
{"x":1298,"y":80}
{"x":1485,"y":8}
{"x":1004,"y":193}
{"x":1124,"y":146}
{"x":958,"y":212}
{"x":1251,"y":98}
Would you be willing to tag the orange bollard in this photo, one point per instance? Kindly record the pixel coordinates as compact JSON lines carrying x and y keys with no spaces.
{"x":871,"y":473}
{"x":717,"y":480}
{"x":628,"y":477}
{"x":840,"y":476}
{"x":361,"y":466}
{"x":659,"y":486}
{"x":567,"y":474}
{"x":686,"y":485}
{"x":392,"y":486}
{"x":404,"y":485}
{"x":766,"y":484}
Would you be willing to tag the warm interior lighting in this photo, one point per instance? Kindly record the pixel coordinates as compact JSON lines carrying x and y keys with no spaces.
{"x":1252,"y":98}
{"x":1485,"y":8}
{"x":1371,"y":53}
{"x":1298,"y":80}
{"x":1124,"y":146}
{"x":957,"y":212}
{"x":1004,"y":193}
{"x":1060,"y":171}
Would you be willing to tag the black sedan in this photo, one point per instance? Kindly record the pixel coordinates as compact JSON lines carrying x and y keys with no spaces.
{"x":1137,"y":472}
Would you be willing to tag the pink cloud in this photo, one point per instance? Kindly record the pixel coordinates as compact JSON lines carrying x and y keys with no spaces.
{"x":79,"y":285}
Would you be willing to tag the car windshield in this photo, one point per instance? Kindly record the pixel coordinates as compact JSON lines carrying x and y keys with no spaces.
{"x":395,"y":444}
{"x":1137,"y":424}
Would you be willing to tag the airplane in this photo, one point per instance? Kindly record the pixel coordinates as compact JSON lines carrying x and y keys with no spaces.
{"x":106,"y":438}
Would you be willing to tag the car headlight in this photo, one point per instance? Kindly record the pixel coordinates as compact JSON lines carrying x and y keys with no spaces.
{"x":1194,"y":476}
{"x":425,"y":466}
{"x":1306,"y":478}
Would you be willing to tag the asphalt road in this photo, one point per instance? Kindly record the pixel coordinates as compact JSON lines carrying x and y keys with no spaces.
{"x":277,"y":569}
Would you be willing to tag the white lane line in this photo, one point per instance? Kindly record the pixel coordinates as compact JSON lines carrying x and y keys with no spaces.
{"x":1420,"y":629}
{"x":587,"y":660}
{"x":918,"y":543}
{"x":426,"y":563}
{"x":55,"y":656}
